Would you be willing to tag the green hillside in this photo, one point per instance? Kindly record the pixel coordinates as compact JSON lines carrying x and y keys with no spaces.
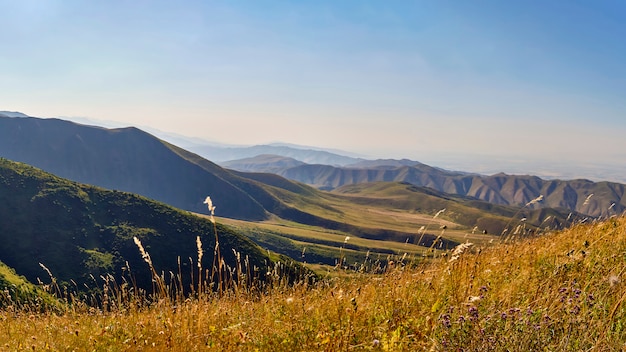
{"x":80,"y":232}
{"x":385,"y":220}
{"x":17,"y":292}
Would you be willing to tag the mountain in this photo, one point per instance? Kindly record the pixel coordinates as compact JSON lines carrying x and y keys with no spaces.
{"x":383,"y":163}
{"x":466,"y":211}
{"x":130,"y":160}
{"x":127,"y":159}
{"x":79,"y":231}
{"x":583,"y":196}
{"x":262,"y":163}
{"x":310,"y":156}
{"x":12,"y":114}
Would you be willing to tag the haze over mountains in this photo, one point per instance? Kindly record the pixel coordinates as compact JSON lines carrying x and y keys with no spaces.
{"x":549,"y":168}
{"x":158,"y":170}
{"x":381,"y":201}
{"x":128,"y":159}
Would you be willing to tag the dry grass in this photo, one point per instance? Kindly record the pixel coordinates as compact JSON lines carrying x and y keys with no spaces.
{"x":559,"y":292}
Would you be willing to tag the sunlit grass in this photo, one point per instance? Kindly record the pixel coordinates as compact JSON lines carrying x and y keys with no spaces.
{"x":560,"y":291}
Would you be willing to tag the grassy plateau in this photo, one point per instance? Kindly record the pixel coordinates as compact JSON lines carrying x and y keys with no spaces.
{"x":559,"y":291}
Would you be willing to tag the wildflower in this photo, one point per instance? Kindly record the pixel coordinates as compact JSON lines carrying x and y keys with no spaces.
{"x":445,"y":320}
{"x":590,"y":297}
{"x":473,"y":312}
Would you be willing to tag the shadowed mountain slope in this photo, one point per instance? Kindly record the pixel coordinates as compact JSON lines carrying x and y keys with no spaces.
{"x":126,"y":159}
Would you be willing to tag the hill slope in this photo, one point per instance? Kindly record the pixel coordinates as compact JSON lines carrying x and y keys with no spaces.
{"x":78,"y":230}
{"x":560,"y":291}
{"x":126,"y":159}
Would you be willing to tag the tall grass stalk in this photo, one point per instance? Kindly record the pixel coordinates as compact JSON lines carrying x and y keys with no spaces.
{"x":217,"y":267}
{"x":423,"y":229}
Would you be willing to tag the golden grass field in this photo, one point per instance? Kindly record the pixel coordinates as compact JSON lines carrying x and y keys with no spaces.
{"x":561,"y":291}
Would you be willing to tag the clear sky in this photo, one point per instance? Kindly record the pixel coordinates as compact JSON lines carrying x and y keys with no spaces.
{"x":523,"y":80}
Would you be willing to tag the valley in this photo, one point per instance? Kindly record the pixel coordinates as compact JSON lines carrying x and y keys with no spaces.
{"x":382,"y":217}
{"x":122,"y":252}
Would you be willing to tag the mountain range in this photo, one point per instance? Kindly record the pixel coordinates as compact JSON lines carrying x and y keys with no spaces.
{"x":131,"y":160}
{"x":100,"y":187}
{"x":583,"y":196}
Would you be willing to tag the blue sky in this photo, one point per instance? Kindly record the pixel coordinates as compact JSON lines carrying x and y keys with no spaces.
{"x":515,"y":80}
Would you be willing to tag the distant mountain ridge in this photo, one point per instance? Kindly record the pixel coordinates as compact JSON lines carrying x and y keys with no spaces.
{"x":309,"y":156}
{"x":583,"y":196}
{"x":12,"y":114}
{"x":263,"y":163}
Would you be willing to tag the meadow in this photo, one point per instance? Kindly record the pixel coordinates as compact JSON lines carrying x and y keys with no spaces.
{"x":555,"y":291}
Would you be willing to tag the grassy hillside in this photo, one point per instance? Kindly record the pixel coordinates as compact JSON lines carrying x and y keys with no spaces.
{"x":561,"y":291}
{"x":81,"y":232}
{"x":18,"y":293}
{"x":384,"y":221}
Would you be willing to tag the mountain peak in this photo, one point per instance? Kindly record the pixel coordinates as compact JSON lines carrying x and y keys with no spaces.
{"x":12,"y":114}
